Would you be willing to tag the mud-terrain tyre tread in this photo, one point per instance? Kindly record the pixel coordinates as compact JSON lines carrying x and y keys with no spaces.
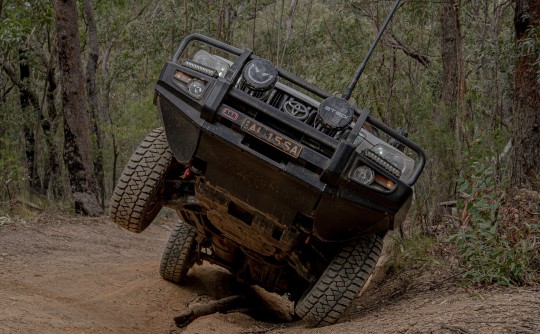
{"x":133,"y":203}
{"x":339,"y":284}
{"x":179,"y":253}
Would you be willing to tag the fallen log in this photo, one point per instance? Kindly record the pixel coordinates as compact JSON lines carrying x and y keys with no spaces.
{"x":221,"y":305}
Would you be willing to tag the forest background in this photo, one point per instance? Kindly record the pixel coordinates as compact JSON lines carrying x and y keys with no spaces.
{"x":76,"y":98}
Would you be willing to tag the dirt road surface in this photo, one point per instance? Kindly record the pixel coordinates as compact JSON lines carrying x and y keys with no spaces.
{"x":62,"y":274}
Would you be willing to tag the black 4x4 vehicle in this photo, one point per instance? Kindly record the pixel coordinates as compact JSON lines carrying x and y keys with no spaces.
{"x":281,"y":183}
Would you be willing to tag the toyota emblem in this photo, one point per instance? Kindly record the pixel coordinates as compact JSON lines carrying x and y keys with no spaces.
{"x":296,"y":109}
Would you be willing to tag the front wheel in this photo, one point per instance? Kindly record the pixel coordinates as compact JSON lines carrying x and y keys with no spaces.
{"x":339,"y":284}
{"x":179,"y":254}
{"x":134,"y":202}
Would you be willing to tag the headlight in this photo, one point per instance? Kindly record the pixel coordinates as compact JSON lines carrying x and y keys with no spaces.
{"x":382,"y":154}
{"x":392,"y":160}
{"x":389,"y":158}
{"x":212,"y":61}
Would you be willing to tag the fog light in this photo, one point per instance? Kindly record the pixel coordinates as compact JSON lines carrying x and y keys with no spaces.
{"x":196,"y":88}
{"x":363,"y":174}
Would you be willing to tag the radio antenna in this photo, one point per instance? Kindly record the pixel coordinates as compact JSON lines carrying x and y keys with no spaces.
{"x":360,"y":70}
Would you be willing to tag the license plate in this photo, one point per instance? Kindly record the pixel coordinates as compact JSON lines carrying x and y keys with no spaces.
{"x":267,"y":135}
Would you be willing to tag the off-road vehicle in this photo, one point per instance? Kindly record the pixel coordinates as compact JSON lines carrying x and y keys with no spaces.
{"x":283,"y":184}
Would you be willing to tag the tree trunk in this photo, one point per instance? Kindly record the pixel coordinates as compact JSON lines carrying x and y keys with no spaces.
{"x":254,"y":27}
{"x":221,"y":17}
{"x":526,"y":110}
{"x":52,"y":173}
{"x":96,"y":119}
{"x":185,"y":18}
{"x":289,"y":25}
{"x":453,"y":68}
{"x":30,"y":109}
{"x":47,"y":118}
{"x":77,"y":146}
{"x":450,"y":115}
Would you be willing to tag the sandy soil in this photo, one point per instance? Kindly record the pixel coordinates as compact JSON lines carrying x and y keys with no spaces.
{"x":79,"y":275}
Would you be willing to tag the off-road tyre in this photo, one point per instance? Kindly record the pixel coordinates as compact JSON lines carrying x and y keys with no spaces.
{"x":341,"y":281}
{"x":134,"y":202}
{"x":179,"y":254}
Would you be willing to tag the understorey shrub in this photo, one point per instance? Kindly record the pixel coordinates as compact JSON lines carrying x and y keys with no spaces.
{"x":498,"y":243}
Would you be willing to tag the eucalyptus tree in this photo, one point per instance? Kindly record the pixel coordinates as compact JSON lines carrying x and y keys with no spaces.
{"x":28,"y":68}
{"x":77,"y":148}
{"x":526,"y":107}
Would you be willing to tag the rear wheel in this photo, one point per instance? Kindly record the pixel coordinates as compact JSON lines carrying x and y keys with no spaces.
{"x":339,"y":284}
{"x":134,"y":203}
{"x":179,"y":254}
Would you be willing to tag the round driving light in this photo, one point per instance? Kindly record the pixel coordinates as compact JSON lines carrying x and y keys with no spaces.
{"x":335,"y":113}
{"x":196,"y":88}
{"x":260,"y":75}
{"x":364,"y":175}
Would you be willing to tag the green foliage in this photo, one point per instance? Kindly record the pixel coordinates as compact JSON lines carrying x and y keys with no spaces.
{"x":493,"y":251}
{"x":133,"y":122}
{"x":413,"y":252}
{"x":20,"y":18}
{"x":12,"y":170}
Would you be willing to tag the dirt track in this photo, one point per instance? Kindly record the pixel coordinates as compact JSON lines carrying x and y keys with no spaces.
{"x":80,"y":275}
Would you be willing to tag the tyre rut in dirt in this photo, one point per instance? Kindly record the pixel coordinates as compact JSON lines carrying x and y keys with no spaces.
{"x":179,"y":253}
{"x":339,"y":284}
{"x":134,"y":204}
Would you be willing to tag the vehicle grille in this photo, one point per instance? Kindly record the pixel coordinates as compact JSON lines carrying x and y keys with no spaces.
{"x":293,"y":106}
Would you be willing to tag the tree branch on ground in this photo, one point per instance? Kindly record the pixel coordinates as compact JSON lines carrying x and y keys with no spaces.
{"x":220,"y":305}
